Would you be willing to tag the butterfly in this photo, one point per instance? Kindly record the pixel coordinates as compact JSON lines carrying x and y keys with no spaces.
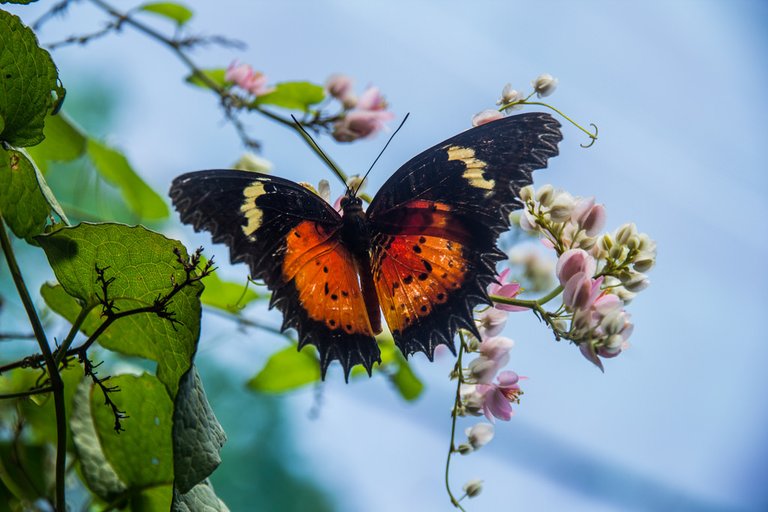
{"x":422,"y":253}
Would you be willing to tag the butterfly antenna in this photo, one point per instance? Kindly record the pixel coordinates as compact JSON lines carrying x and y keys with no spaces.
{"x":319,"y":151}
{"x":382,"y":151}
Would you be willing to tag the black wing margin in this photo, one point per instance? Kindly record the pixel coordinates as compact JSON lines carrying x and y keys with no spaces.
{"x":254,"y":215}
{"x":461,"y":190}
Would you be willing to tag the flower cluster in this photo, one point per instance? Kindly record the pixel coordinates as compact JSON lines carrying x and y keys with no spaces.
{"x":361,"y":117}
{"x":244,"y":77}
{"x":598,"y":274}
{"x":511,"y":99}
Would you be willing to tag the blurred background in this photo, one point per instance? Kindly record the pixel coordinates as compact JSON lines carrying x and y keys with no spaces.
{"x":678,"y":422}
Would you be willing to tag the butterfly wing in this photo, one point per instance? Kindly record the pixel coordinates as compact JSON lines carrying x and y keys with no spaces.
{"x":290,"y":238}
{"x":436,"y":222}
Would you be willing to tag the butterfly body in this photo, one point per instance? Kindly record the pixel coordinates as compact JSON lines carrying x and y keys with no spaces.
{"x":422,"y":253}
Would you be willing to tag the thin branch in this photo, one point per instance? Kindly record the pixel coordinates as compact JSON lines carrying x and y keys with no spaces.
{"x":30,"y":392}
{"x":57,"y":384}
{"x":5,"y":336}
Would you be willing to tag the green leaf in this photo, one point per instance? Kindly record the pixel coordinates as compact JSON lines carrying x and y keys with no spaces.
{"x":143,"y":265}
{"x":53,"y":204}
{"x":173,"y":11}
{"x":200,"y":498}
{"x":286,"y":370}
{"x":215,"y":75}
{"x":63,"y":142}
{"x":23,"y":205}
{"x":27,"y":78}
{"x":114,"y":167}
{"x":228,"y":296}
{"x":141,"y":455}
{"x":197,"y":434}
{"x":99,"y":475}
{"x":26,"y":469}
{"x":293,"y":95}
{"x":406,"y":382}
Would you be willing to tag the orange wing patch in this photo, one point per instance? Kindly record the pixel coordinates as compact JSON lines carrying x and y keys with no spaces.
{"x":413,"y":274}
{"x":325,"y":278}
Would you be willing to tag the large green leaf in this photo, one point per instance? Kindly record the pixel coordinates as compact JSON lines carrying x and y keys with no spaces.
{"x":98,"y":473}
{"x":22,"y":203}
{"x":197,"y":434}
{"x":286,"y":370}
{"x":173,"y":11}
{"x":293,"y":95}
{"x":143,"y":265}
{"x":27,"y":79}
{"x":142,"y":454}
{"x":63,"y":142}
{"x":215,"y":75}
{"x":200,"y":499}
{"x":114,"y":167}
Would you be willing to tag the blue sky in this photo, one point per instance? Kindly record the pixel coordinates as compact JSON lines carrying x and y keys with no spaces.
{"x":677,"y":422}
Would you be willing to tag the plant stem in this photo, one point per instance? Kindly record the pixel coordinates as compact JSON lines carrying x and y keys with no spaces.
{"x":62,"y":352}
{"x":22,"y":394}
{"x":57,"y":385}
{"x":454,"y":415}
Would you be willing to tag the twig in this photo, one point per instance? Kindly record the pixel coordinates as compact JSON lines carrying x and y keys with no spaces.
{"x":454,"y":415}
{"x":89,"y":370}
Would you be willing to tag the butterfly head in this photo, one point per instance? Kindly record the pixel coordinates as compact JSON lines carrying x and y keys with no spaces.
{"x":350,"y":202}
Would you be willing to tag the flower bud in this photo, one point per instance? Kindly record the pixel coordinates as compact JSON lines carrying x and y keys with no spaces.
{"x":573,"y":261}
{"x":479,"y":435}
{"x":618,"y":252}
{"x":637,"y":282}
{"x":560,"y":324}
{"x":464,"y":449}
{"x":594,"y":220}
{"x":251,"y":162}
{"x":625,"y":295}
{"x":528,"y":221}
{"x":545,"y":195}
{"x":526,"y":193}
{"x":606,"y":242}
{"x":544,"y":85}
{"x":625,"y":232}
{"x":324,"y":190}
{"x":356,"y":182}
{"x":561,"y":208}
{"x":339,"y":86}
{"x":473,"y":488}
{"x":644,"y":262}
{"x":486,"y":116}
{"x":509,"y":95}
{"x":612,"y":346}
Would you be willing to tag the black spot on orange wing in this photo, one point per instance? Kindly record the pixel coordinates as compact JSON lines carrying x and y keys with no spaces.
{"x":425,"y":312}
{"x":264,"y":219}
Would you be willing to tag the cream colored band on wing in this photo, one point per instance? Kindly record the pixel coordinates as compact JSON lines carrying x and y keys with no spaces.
{"x":249,"y":209}
{"x":475,"y":167}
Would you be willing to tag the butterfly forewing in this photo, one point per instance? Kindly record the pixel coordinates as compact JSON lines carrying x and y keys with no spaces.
{"x":457,"y":197}
{"x":289,"y":237}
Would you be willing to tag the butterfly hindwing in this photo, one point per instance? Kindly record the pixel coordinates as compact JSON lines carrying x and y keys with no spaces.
{"x":454,"y":199}
{"x":289,"y":237}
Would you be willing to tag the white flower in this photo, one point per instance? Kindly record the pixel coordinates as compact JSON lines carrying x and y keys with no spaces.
{"x":544,"y":85}
{"x":479,"y":435}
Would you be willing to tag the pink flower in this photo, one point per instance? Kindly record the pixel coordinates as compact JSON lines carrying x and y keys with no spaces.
{"x":497,"y":398}
{"x":486,"y":116}
{"x":372,"y":99}
{"x":491,"y":322}
{"x":507,"y":289}
{"x":338,"y":86}
{"x":243,"y":76}
{"x":607,"y":326}
{"x":360,"y":123}
{"x":573,"y":262}
{"x":494,"y":354}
